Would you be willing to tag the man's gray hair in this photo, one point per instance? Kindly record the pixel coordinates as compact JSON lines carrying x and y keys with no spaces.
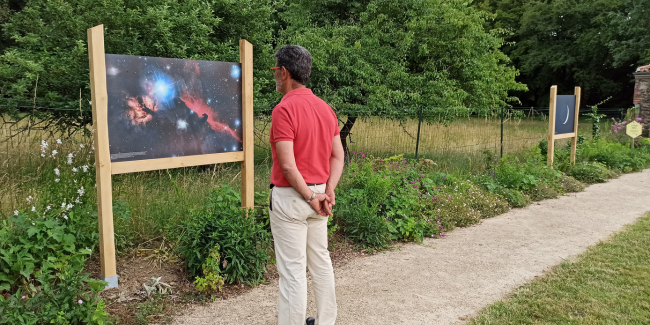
{"x":297,"y":60}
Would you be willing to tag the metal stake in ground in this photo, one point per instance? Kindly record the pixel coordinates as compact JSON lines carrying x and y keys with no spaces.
{"x":417,"y":141}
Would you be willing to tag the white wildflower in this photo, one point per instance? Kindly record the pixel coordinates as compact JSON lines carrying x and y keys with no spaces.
{"x":63,"y":206}
{"x":77,"y":201}
{"x":48,"y":208}
{"x":70,"y":156}
{"x":58,"y":141}
{"x":84,"y":168}
{"x":42,"y":155}
{"x":57,"y":172}
{"x":43,"y":144}
{"x":33,"y":208}
{"x":69,"y":206}
{"x":75,"y":181}
{"x":65,"y":217}
{"x":16,"y":212}
{"x":81,"y":191}
{"x":81,"y":145}
{"x":33,"y":224}
{"x":74,"y":169}
{"x":54,"y":152}
{"x":57,"y":180}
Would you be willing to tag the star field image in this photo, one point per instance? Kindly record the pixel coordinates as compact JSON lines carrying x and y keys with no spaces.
{"x":160,"y":108}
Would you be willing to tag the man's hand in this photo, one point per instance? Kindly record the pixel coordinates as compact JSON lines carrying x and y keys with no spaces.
{"x":331,"y":195}
{"x":320,"y":204}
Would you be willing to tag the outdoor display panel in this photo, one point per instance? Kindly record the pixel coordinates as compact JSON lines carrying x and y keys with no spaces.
{"x":565,"y":114}
{"x":563,"y":121}
{"x":159,"y":107}
{"x":157,"y":113}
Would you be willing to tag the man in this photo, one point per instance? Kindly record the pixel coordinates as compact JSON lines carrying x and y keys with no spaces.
{"x":307,"y":165}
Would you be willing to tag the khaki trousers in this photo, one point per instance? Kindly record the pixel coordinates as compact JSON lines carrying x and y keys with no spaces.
{"x":300,"y":237}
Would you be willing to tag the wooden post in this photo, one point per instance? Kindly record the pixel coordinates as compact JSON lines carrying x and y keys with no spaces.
{"x":551,"y":127}
{"x":99,"y":98}
{"x":247,"y":166}
{"x":574,"y":140}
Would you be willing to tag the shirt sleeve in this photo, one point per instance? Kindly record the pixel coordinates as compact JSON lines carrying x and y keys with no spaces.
{"x":282,"y":128}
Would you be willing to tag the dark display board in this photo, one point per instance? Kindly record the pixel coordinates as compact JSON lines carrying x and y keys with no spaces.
{"x":565,"y":114}
{"x":161,"y":108}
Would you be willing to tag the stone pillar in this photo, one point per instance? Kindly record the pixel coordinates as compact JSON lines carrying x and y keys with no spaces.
{"x":642,"y":93}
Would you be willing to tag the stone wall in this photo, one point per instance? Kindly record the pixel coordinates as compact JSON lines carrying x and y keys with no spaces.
{"x":642,"y":93}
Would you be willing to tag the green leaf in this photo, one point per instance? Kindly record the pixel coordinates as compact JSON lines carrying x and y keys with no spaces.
{"x":27,"y":270}
{"x":31,"y":231}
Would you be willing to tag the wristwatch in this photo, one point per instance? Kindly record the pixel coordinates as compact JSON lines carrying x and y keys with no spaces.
{"x":313,"y":196}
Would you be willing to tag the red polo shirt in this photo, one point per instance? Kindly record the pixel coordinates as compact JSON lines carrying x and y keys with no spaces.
{"x":311,"y":124}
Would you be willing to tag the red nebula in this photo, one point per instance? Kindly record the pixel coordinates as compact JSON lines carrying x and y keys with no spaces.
{"x":139,"y":106}
{"x":196,"y":104}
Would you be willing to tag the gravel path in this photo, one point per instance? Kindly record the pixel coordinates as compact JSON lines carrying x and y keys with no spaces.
{"x":444,"y":281}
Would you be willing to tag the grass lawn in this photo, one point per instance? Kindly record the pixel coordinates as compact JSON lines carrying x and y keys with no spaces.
{"x":609,"y":284}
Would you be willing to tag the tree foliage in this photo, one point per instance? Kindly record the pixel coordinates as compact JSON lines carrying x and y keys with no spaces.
{"x":386,"y":57}
{"x":49,"y":42}
{"x":397,"y":58}
{"x":595,"y":44}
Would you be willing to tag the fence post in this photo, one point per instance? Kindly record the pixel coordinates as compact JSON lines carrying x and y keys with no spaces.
{"x":502,"y":111}
{"x":417,"y":141}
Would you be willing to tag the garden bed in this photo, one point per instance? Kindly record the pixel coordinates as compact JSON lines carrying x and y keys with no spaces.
{"x":211,"y":251}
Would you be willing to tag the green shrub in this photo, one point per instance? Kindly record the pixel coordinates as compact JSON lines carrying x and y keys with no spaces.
{"x":515,"y":198}
{"x":67,"y":297}
{"x":58,"y":226}
{"x":614,"y":155}
{"x":542,"y":192}
{"x":590,"y":172}
{"x":29,"y":247}
{"x":569,"y":184}
{"x":510,"y":175}
{"x":212,"y":279}
{"x":243,"y":242}
{"x":359,"y":220}
{"x":486,"y":203}
{"x":543,"y":147}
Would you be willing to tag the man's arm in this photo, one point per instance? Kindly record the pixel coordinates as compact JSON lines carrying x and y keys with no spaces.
{"x":287,"y":161}
{"x":337,"y":161}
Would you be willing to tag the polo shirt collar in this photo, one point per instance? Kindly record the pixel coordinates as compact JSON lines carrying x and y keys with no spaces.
{"x":299,"y":91}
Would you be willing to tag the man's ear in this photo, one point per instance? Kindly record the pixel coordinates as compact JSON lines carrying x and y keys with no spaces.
{"x":284,"y":73}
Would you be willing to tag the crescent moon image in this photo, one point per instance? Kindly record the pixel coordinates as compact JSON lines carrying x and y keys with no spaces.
{"x":567,"y":114}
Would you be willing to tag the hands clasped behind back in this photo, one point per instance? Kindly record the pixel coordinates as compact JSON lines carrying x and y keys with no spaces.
{"x":322,"y":204}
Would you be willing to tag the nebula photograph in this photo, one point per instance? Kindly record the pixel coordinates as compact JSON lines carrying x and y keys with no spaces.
{"x":160,"y":108}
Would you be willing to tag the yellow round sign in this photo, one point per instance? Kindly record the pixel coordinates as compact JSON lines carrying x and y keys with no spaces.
{"x":634,"y":129}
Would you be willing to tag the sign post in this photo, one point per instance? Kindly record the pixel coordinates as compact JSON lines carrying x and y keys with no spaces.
{"x":563,"y":121}
{"x":159,"y":113}
{"x":633,"y":129}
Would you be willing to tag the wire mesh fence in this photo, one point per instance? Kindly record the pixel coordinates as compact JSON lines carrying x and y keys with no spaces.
{"x":519,"y":129}
{"x":464,"y":138}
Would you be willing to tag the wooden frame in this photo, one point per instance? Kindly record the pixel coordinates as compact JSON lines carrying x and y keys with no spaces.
{"x":551,"y":127}
{"x":104,"y":167}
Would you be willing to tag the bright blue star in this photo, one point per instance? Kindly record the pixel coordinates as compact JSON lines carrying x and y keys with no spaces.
{"x":163,"y":88}
{"x":235,"y":72}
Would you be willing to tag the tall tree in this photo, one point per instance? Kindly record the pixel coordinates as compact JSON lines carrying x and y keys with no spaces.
{"x":394,"y":58}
